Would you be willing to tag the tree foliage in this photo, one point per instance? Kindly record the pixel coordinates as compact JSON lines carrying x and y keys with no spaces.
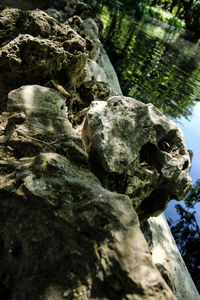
{"x":194,"y":195}
{"x":150,"y":69}
{"x":186,"y":10}
{"x":186,"y":232}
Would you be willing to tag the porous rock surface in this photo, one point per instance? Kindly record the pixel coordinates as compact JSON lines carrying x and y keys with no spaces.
{"x":136,"y":150}
{"x":63,"y":235}
{"x":36,"y":49}
{"x":169,"y":261}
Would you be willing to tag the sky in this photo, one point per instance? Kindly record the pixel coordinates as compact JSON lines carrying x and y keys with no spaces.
{"x":191,"y":129}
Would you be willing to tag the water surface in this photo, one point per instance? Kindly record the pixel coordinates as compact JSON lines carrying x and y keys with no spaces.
{"x":155,"y":65}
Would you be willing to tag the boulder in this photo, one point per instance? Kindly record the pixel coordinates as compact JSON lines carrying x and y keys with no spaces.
{"x":36,"y":49}
{"x":134,"y":149}
{"x":36,"y":121}
{"x":168,"y":259}
{"x":64,"y":236}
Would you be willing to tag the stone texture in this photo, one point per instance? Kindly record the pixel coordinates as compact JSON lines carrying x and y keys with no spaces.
{"x":64,"y":236}
{"x":165,"y":253}
{"x":70,"y":7}
{"x":36,"y":122}
{"x":69,"y":54}
{"x":111,"y":77}
{"x":93,"y":90}
{"x":35,"y":49}
{"x":98,"y":64}
{"x":136,"y":150}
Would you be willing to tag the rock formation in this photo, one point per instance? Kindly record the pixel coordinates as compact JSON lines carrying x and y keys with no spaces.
{"x":73,"y":160}
{"x":136,"y":150}
{"x":169,"y":261}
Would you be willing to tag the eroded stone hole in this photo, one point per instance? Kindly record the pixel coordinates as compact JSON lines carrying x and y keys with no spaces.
{"x":186,"y":163}
{"x":171,"y":142}
{"x":164,"y":146}
{"x":21,"y":149}
{"x":150,"y":157}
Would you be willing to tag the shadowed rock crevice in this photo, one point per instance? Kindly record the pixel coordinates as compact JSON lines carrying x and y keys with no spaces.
{"x":154,"y":204}
{"x":150,"y":157}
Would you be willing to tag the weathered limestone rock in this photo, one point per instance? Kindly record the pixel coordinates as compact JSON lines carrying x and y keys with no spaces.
{"x":35,"y":100}
{"x":98,"y":63}
{"x":136,"y":150}
{"x":61,"y":234}
{"x":35,"y":49}
{"x":36,"y":122}
{"x":93,"y":90}
{"x":165,"y":253}
{"x":105,"y":63}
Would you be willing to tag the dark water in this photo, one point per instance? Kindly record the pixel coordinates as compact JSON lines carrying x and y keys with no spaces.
{"x":156,"y":65}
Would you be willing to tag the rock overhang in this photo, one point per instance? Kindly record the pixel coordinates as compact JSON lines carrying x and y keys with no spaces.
{"x":136,"y":142}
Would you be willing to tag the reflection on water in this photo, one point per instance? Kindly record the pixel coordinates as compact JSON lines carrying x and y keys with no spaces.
{"x":155,"y":66}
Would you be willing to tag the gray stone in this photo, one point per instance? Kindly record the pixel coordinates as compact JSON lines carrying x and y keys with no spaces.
{"x":34,"y":123}
{"x":105,"y":63}
{"x":64,"y":236}
{"x":93,"y":90}
{"x":89,"y":28}
{"x":100,"y":69}
{"x":166,"y":254}
{"x":136,"y":150}
{"x":99,"y":66}
{"x":35,"y":48}
{"x":35,"y":100}
{"x":58,"y":15}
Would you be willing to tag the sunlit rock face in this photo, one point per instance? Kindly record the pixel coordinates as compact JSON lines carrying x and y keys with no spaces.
{"x":36,"y":121}
{"x":35,"y":48}
{"x":136,"y":150}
